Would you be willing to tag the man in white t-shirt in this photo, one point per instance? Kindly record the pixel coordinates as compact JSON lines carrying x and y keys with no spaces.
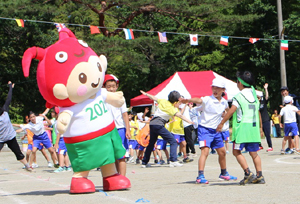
{"x":120,"y":116}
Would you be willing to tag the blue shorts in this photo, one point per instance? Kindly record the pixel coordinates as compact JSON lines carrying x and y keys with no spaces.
{"x":161,"y":144}
{"x":42,"y":139}
{"x":133,"y":144}
{"x":209,"y":137}
{"x":141,"y":148}
{"x":62,"y":149}
{"x":225,"y":135}
{"x":40,"y":147}
{"x":250,"y":147}
{"x":178,"y":138}
{"x":122,"y":133}
{"x":291,"y":129}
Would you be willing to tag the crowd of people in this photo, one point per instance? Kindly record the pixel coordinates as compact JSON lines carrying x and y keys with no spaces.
{"x":177,"y":122}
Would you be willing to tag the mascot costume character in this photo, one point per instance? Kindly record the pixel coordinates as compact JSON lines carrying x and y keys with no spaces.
{"x":70,"y":75}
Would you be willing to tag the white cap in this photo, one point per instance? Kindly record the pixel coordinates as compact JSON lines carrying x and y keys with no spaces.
{"x":259,"y":93}
{"x":287,"y":99}
{"x":140,"y":115}
{"x":218,"y":82}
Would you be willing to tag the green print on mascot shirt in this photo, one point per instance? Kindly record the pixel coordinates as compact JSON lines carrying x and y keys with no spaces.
{"x":92,"y":124}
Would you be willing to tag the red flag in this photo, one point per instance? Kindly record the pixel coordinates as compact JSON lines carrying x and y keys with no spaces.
{"x":253,"y":40}
{"x":94,"y":29}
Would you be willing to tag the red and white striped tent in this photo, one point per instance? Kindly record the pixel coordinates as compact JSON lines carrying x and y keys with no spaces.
{"x":189,"y":85}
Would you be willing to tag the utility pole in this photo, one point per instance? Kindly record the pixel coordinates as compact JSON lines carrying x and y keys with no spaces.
{"x":281,"y":37}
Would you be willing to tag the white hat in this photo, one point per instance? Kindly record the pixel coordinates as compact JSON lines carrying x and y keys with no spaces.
{"x":140,"y":115}
{"x":287,"y":99}
{"x":217,"y":82}
{"x":259,"y":93}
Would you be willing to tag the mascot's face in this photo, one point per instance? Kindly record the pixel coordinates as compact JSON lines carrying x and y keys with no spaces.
{"x":69,"y":71}
{"x":84,"y":81}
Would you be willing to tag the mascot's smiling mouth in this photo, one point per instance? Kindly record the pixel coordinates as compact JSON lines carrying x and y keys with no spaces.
{"x":80,"y":55}
{"x":95,"y":85}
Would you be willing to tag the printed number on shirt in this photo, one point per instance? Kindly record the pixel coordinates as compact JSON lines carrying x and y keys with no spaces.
{"x":97,"y":110}
{"x":251,"y":106}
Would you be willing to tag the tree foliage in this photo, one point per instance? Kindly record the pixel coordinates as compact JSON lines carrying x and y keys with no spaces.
{"x":144,"y":62}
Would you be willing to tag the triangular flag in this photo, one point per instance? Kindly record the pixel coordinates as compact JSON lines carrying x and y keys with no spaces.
{"x":162,"y":37}
{"x":284,"y":45}
{"x":20,"y":22}
{"x":194,"y":39}
{"x":253,"y":40}
{"x":224,"y":40}
{"x":94,"y":29}
{"x":59,"y":26}
{"x":128,"y":34}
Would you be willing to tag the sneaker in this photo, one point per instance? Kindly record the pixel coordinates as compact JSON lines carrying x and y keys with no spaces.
{"x":186,"y":160}
{"x":137,"y":161}
{"x":259,"y":180}
{"x":162,"y":162}
{"x":168,"y":161}
{"x":213,"y":151}
{"x":49,"y":165}
{"x":282,"y":152}
{"x":287,"y":149}
{"x":193,"y":155}
{"x":179,"y":154}
{"x":270,"y":149}
{"x":227,"y":177}
{"x":247,"y":179}
{"x":60,"y":169}
{"x":245,"y":152}
{"x":227,"y":152}
{"x":70,"y":169}
{"x":130,"y":160}
{"x":30,"y":169}
{"x":201,"y":179}
{"x":98,"y":169}
{"x":146,"y":165}
{"x":56,"y":165}
{"x":156,"y":161}
{"x":175,"y":164}
{"x":34,"y":165}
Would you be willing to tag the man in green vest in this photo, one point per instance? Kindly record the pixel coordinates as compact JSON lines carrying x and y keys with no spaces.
{"x":246,"y":127}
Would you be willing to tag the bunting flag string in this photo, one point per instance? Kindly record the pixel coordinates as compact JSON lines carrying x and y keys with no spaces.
{"x":129,"y":33}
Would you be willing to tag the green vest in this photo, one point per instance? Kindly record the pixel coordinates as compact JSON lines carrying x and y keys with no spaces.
{"x":246,"y":130}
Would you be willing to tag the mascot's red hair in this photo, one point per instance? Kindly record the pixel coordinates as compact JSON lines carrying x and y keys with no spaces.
{"x":70,"y":75}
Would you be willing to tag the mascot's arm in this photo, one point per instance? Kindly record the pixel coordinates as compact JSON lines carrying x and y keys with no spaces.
{"x":63,"y":122}
{"x":115,"y":98}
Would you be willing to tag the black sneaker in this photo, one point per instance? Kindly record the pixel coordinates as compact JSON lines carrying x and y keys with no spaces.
{"x":155,"y":161}
{"x":248,"y":179}
{"x":259,"y":180}
{"x":186,"y":160}
{"x":137,"y":161}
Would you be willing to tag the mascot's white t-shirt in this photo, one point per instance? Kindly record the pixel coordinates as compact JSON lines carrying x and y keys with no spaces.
{"x":88,"y":116}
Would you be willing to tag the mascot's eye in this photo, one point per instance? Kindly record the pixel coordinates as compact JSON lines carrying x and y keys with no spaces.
{"x":61,"y":56}
{"x":82,"y":78}
{"x":84,"y":44}
{"x":99,"y":66}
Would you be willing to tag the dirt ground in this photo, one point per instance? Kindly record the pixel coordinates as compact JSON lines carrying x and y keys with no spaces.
{"x":157,"y":184}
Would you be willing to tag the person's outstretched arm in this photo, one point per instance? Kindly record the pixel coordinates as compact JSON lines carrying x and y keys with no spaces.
{"x":149,"y":95}
{"x":9,"y":97}
{"x":266,"y":91}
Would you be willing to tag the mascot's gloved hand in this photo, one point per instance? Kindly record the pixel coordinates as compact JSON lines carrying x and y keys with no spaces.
{"x":115,"y":98}
{"x":63,"y":122}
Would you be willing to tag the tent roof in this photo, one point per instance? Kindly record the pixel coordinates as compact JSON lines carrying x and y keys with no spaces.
{"x":188,"y":84}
